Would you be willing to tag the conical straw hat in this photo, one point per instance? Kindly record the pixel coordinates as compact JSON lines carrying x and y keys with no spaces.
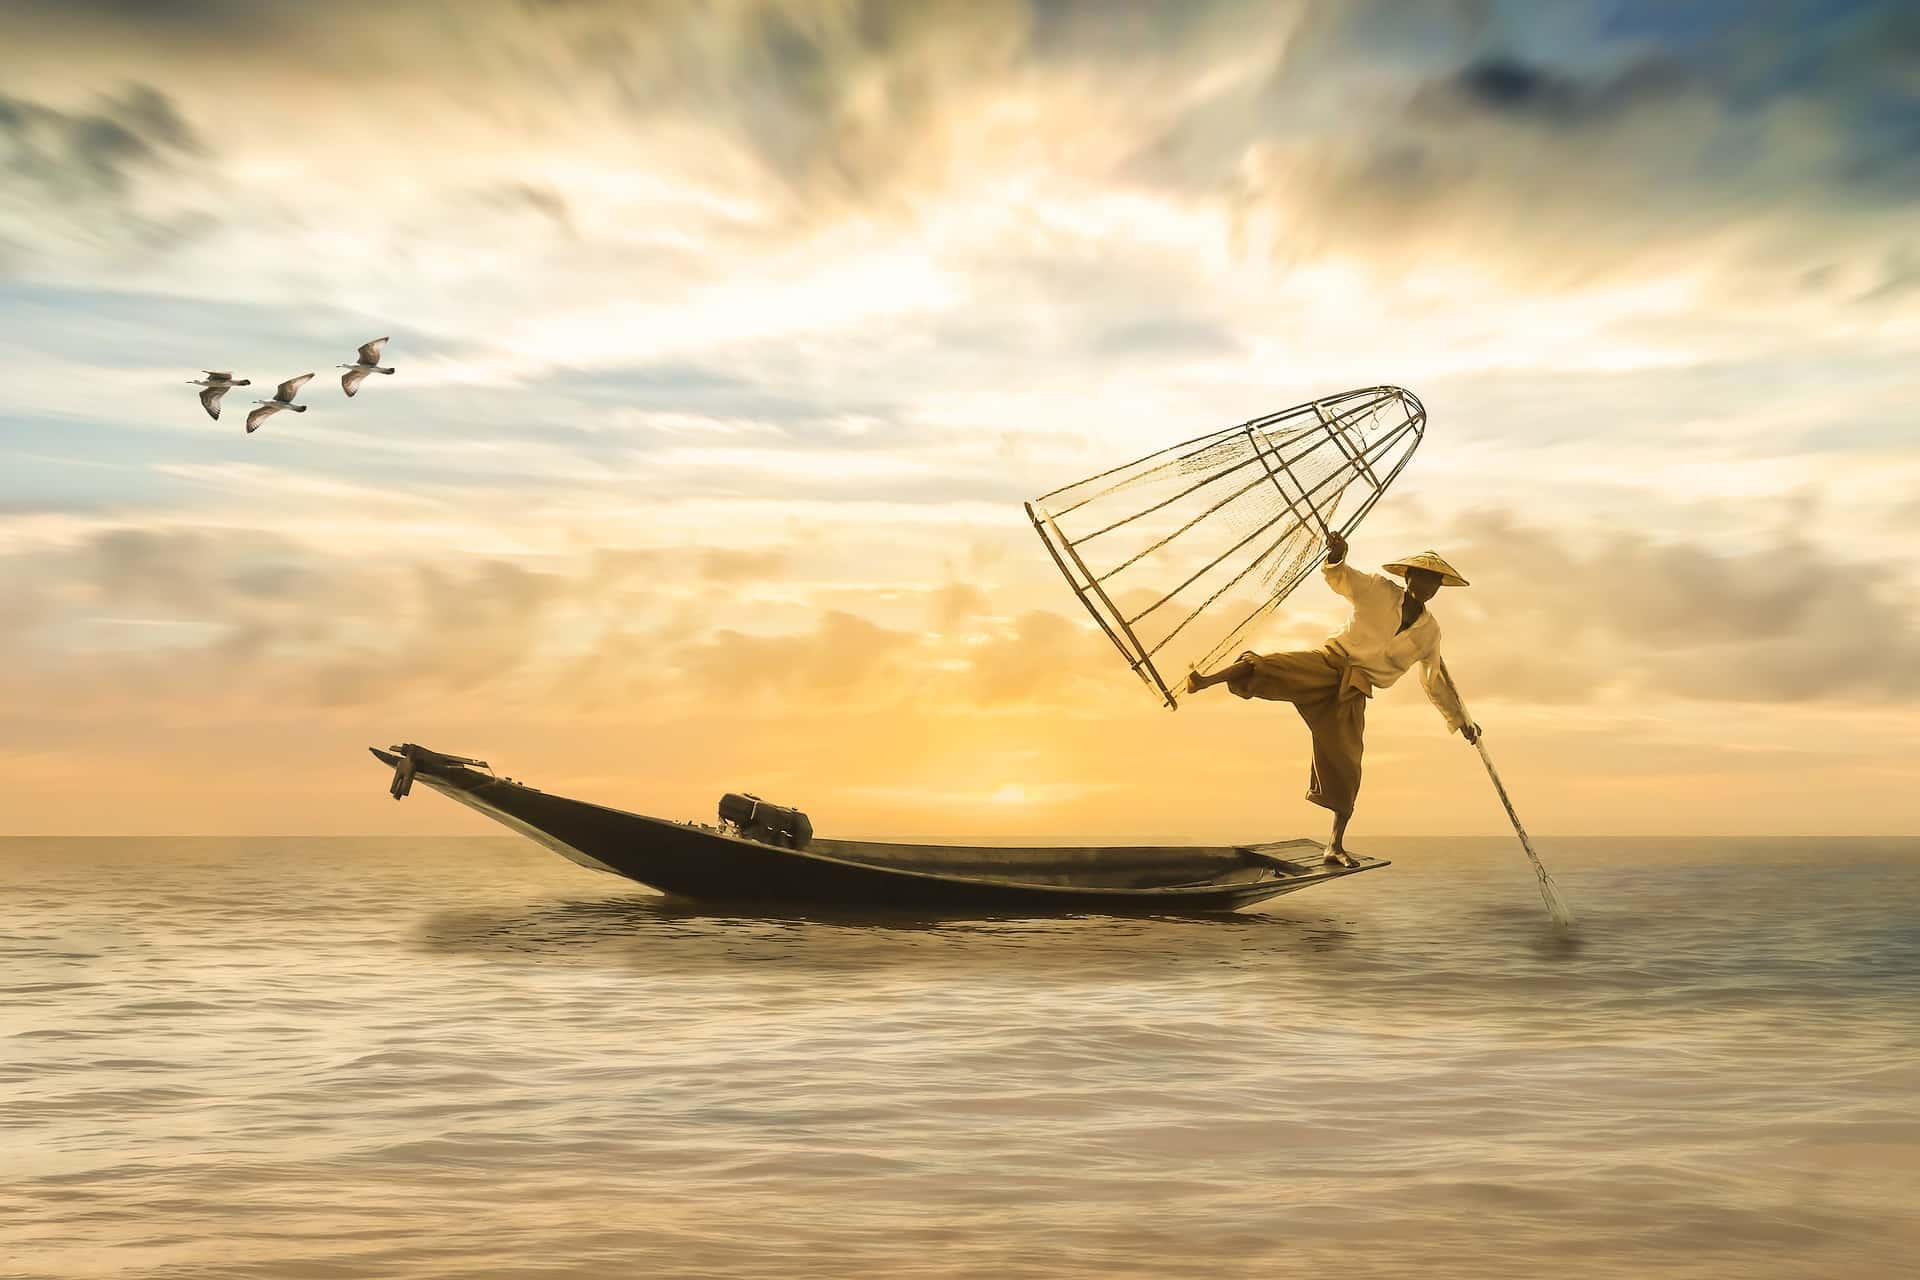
{"x":1430,"y":561}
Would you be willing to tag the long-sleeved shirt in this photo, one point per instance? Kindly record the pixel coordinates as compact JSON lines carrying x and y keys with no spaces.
{"x":1379,"y":650}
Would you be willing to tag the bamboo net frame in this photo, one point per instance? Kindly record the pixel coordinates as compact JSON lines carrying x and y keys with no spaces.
{"x":1178,"y":554}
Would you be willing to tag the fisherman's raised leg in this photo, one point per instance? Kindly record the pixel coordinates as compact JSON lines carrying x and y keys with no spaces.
{"x":1234,"y":671}
{"x":1277,"y":677}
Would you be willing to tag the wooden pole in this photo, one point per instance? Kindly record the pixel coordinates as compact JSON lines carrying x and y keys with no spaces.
{"x":1556,"y":905}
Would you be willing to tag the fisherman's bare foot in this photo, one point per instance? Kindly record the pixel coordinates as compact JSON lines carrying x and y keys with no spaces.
{"x":1194,"y":683}
{"x":1340,"y":858}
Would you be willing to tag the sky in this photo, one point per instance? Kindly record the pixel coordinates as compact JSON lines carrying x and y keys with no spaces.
{"x":731,"y":337}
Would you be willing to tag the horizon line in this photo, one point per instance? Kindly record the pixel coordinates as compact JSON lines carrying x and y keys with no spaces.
{"x":508,"y":835}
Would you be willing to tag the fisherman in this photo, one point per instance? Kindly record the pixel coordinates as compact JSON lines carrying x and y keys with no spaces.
{"x":1391,"y":629}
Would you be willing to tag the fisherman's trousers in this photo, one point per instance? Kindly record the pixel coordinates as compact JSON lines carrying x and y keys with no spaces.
{"x":1331,"y":696}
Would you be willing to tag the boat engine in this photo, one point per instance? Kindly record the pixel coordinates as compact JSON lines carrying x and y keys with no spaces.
{"x":754,"y":819}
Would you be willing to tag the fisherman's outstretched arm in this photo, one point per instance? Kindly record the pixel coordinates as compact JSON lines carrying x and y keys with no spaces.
{"x":1440,"y":691}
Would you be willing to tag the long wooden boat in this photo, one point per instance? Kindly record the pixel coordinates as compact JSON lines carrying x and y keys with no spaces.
{"x":713,"y":863}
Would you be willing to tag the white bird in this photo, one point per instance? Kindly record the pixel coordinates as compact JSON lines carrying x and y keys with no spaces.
{"x":217,"y":384}
{"x":369,"y":363}
{"x":282,"y":399}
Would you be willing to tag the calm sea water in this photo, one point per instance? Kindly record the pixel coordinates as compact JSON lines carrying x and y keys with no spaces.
{"x":386,"y":1058}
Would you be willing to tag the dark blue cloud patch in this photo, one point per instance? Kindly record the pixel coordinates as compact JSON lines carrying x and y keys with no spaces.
{"x":1506,"y":87}
{"x":1563,"y":143}
{"x":1849,"y":68}
{"x":1583,"y":130}
{"x":1508,"y":84}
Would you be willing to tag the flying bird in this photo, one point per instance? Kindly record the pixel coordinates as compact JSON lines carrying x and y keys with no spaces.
{"x":369,"y":363}
{"x":217,"y":384}
{"x":282,"y":399}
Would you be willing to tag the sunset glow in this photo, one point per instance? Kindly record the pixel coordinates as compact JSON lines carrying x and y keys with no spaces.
{"x":731,"y":338}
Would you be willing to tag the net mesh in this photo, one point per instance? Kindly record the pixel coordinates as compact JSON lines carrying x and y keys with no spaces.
{"x":1179,"y":553}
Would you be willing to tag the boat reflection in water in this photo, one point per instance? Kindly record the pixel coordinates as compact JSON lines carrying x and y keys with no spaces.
{"x":764,"y":853}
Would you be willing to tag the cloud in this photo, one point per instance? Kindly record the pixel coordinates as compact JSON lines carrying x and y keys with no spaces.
{"x":834,"y":101}
{"x":208,"y":629}
{"x":1552,"y":152}
{"x":844,"y":652}
{"x":1552,"y":618}
{"x":88,"y":165}
{"x":1042,"y":658}
{"x":1505,"y":86}
{"x":240,"y":617}
{"x":723,"y":565}
{"x":1569,"y":618}
{"x":189,"y":19}
{"x":532,"y":197}
{"x":1162,"y":335}
{"x":956,"y":603}
{"x":1193,"y":188}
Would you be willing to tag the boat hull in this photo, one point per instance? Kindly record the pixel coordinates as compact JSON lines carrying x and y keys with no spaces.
{"x":713,"y":865}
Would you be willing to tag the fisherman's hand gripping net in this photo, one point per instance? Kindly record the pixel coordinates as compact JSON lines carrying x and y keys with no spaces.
{"x":1178,"y":554}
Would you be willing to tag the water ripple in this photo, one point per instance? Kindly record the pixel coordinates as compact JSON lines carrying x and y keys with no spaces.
{"x":456,"y":1058}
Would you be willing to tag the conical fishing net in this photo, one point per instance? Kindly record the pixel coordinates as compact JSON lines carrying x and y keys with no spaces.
{"x":1179,"y":553}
